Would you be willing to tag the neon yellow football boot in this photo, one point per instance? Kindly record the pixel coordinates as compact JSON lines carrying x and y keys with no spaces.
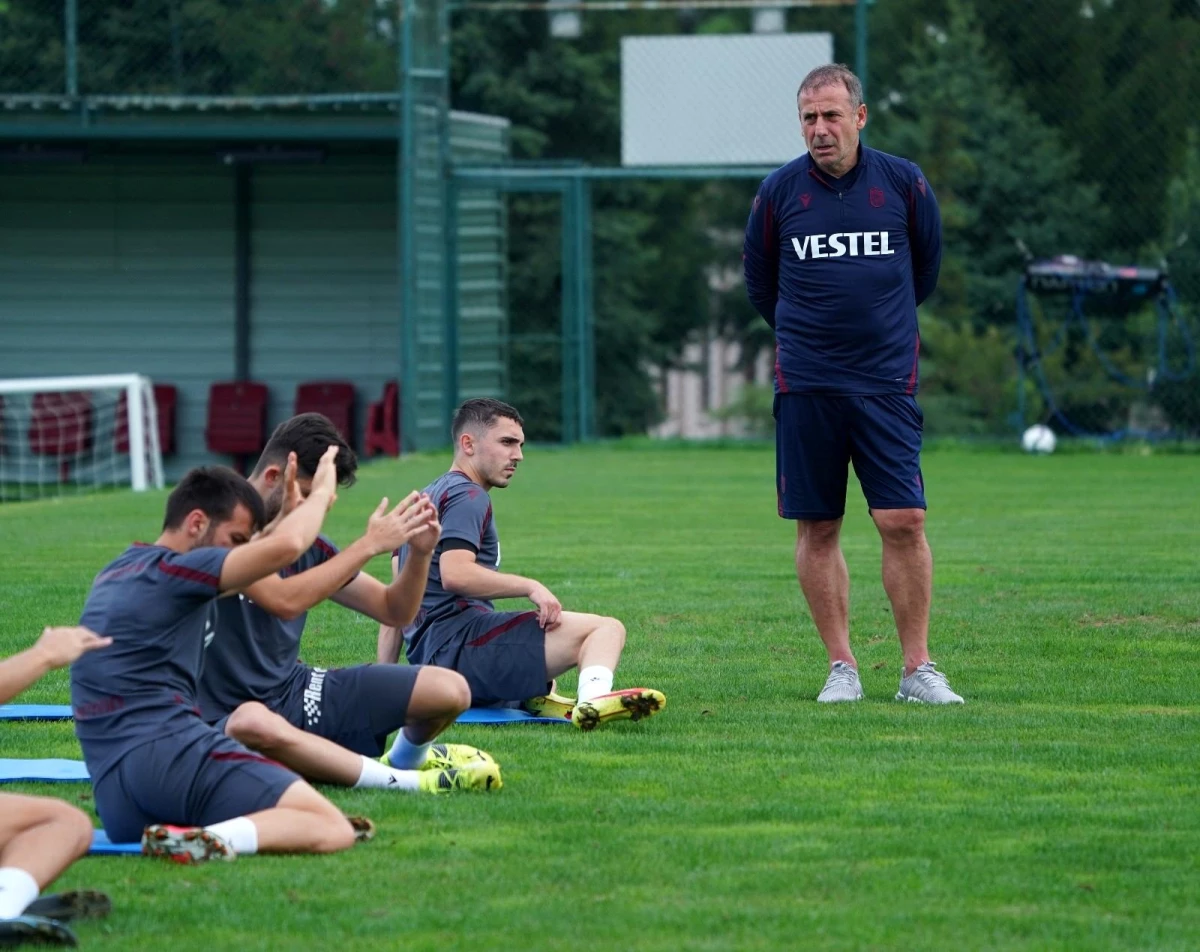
{"x":632,"y":703}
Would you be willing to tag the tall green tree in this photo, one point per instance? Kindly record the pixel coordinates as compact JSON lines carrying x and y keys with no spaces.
{"x":1003,"y":178}
{"x":1004,"y":181}
{"x":1118,"y":80}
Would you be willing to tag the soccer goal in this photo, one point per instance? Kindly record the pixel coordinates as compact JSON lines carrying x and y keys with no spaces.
{"x":61,"y":435}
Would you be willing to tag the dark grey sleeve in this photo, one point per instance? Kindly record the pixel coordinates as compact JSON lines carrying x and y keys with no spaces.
{"x":464,"y":516}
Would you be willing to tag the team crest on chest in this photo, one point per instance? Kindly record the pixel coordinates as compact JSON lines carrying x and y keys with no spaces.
{"x":805,"y":199}
{"x":876,"y":197}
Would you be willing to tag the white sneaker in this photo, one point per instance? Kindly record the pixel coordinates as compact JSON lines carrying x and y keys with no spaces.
{"x":841,"y":685}
{"x":927,"y":685}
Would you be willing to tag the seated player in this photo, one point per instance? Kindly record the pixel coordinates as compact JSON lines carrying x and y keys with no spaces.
{"x":41,"y":837}
{"x":331,"y":725}
{"x":158,"y":771}
{"x":505,"y":656}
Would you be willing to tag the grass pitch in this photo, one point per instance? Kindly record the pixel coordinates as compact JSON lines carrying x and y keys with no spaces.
{"x":1056,"y":810}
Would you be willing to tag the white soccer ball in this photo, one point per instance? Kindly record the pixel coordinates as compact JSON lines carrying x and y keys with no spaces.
{"x":1038,"y":439}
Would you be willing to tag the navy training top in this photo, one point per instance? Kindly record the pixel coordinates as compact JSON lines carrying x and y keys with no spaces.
{"x":837,"y":266}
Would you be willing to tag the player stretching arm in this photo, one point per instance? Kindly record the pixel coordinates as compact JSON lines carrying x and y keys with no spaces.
{"x":332,"y":725}
{"x":157,"y":769}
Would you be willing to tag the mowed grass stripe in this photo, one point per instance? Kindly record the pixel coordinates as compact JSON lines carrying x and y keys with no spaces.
{"x":1055,"y":810}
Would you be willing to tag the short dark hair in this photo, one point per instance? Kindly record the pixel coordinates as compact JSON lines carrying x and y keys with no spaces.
{"x":481,"y":412}
{"x":216,"y":491}
{"x":308,"y":435}
{"x":833,"y":74}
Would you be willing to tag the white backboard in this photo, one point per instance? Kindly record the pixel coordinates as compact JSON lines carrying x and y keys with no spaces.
{"x":715,"y":100}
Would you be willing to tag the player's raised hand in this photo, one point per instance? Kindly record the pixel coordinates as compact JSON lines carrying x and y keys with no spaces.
{"x":390,"y":530}
{"x":325,"y":478}
{"x":549,"y":608}
{"x":292,"y":497}
{"x":61,"y":646}
{"x":425,"y":539}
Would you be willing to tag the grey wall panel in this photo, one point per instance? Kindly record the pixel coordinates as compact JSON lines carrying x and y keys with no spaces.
{"x":126,"y":263}
{"x":113,"y":267}
{"x":324,"y":298}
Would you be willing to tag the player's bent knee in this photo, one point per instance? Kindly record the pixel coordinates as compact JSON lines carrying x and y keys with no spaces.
{"x":440,"y":690}
{"x":326,"y":829}
{"x":256,"y":726}
{"x":618,"y":629}
{"x":70,"y":824}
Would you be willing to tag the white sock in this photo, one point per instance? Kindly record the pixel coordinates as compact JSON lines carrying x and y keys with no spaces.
{"x":405,"y":755}
{"x":380,"y":776}
{"x":594,"y":680}
{"x":240,"y":833}
{"x":17,"y":890}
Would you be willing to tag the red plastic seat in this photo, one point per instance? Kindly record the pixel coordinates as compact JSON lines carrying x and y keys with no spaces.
{"x":237,"y":419}
{"x":334,"y":399}
{"x":166,"y":398}
{"x":383,"y":423}
{"x":60,"y":425}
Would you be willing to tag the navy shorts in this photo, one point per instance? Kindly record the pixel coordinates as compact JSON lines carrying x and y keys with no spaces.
{"x":192,"y":778}
{"x":501,"y":654}
{"x":356,"y":708}
{"x":817,"y":436}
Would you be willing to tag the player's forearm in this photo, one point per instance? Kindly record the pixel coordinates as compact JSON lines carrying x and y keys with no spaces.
{"x":762,"y":285}
{"x":388,"y":648}
{"x":474,"y":581}
{"x":288,"y":598}
{"x":405,"y":592}
{"x":765,"y":305}
{"x":246,"y":564}
{"x":20,"y":671}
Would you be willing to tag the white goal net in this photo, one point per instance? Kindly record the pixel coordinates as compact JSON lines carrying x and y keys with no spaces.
{"x":61,"y":435}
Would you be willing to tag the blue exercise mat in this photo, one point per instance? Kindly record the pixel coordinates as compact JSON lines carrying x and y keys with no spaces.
{"x":476,"y":715}
{"x":35,"y":712}
{"x":103,"y":846}
{"x":43,"y":769}
{"x":505,"y":715}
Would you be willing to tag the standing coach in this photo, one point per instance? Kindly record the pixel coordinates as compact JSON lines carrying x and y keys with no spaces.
{"x":842,"y":245}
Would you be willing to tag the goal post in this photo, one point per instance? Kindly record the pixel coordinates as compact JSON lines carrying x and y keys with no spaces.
{"x":78,"y":433}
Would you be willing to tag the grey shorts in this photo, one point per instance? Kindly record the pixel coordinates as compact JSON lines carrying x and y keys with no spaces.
{"x":192,"y":778}
{"x":501,"y":654}
{"x":356,"y":708}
